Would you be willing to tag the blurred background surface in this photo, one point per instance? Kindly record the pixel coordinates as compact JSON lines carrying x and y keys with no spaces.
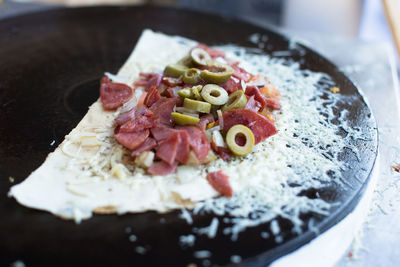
{"x":356,"y":19}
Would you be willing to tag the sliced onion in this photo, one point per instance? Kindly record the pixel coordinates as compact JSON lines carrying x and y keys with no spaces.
{"x":185,"y":110}
{"x":129,"y":105}
{"x":220,"y":119}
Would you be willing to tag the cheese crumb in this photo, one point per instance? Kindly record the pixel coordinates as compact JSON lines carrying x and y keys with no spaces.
{"x":132,"y":238}
{"x":335,"y":89}
{"x":236,"y":259}
{"x":201,"y":254}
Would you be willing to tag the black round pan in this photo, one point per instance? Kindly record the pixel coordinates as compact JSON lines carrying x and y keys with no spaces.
{"x":50,"y":64}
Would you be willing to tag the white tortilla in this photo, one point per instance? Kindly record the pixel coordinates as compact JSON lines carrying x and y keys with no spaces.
{"x":61,"y":187}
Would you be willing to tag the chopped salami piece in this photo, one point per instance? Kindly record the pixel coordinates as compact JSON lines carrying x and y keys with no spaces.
{"x":162,"y":168}
{"x":139,"y":124}
{"x":204,"y":120}
{"x":155,"y":80}
{"x":182,"y":153}
{"x":179,"y":101}
{"x":141,"y":99}
{"x":258,"y":124}
{"x":140,"y":83}
{"x":214,"y":53}
{"x":220,"y":182}
{"x":223,"y":152}
{"x":169,"y":92}
{"x":114,"y":95}
{"x":240,"y":73}
{"x":152,"y":96}
{"x":161,"y":88}
{"x":168,"y":148}
{"x":254,"y":91}
{"x":170,"y":81}
{"x":198,"y":141}
{"x":147,"y":145}
{"x":161,"y":132}
{"x":146,"y":75}
{"x":252,"y":104}
{"x":265,"y":102}
{"x":163,"y":108}
{"x":230,"y":86}
{"x":131,"y":140}
{"x":132,"y":114}
{"x":272,"y":103}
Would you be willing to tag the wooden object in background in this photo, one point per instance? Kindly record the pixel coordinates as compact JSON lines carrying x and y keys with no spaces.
{"x":392,"y":11}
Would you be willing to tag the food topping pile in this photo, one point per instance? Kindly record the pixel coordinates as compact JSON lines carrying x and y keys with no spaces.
{"x":201,"y":107}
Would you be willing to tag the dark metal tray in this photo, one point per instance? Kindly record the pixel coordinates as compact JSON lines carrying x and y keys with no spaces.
{"x":50,"y":64}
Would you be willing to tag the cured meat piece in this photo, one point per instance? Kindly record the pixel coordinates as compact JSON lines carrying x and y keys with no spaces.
{"x":265,"y":102}
{"x":258,"y":124}
{"x":223,"y":152}
{"x":147,"y":145}
{"x":204,"y":120}
{"x":254,"y":91}
{"x":148,"y":80}
{"x":132,"y":114}
{"x":114,"y":95}
{"x":152,"y":97}
{"x":172,"y":82}
{"x":140,"y":83}
{"x":214,"y":53}
{"x":168,"y":148}
{"x":155,"y":80}
{"x":220,"y":182}
{"x":272,"y":103}
{"x":182,"y":153}
{"x":131,"y":140}
{"x":197,"y":141}
{"x":138,"y":124}
{"x":162,"y":132}
{"x":169,"y":92}
{"x":163,"y":108}
{"x":161,"y":88}
{"x":162,"y":168}
{"x":252,"y":104}
{"x":240,"y":73}
{"x":230,"y":86}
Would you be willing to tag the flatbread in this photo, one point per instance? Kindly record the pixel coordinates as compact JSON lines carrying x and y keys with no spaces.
{"x":63,"y":187}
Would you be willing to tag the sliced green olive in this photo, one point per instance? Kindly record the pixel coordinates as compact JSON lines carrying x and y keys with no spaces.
{"x":195,"y":90}
{"x":200,"y":56}
{"x":231,"y":140}
{"x":182,"y":119}
{"x":216,"y":73}
{"x":185,"y":92}
{"x":175,"y":70}
{"x":186,"y":61}
{"x":199,"y":106}
{"x":214,"y":94}
{"x":191,"y":76}
{"x":236,"y":100}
